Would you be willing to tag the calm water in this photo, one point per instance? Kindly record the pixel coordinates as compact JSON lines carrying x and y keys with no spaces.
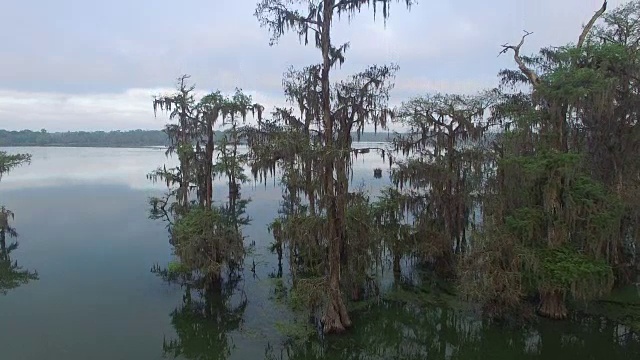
{"x":82,"y":217}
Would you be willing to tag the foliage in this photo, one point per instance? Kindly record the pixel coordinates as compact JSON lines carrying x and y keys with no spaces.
{"x":328,"y":114}
{"x":558,"y":207}
{"x":11,"y":161}
{"x":442,"y":169}
{"x":206,"y":240}
{"x":525,"y":194}
{"x":566,"y":268}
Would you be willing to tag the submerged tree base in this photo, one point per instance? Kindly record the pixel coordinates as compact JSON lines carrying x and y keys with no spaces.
{"x":552,"y":305}
{"x":335,"y":319}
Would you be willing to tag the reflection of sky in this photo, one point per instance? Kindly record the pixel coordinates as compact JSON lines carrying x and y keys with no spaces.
{"x":83,"y":219}
{"x":82,"y":216}
{"x":53,"y":166}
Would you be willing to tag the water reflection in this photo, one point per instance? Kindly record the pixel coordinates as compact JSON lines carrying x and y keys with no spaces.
{"x":11,"y":274}
{"x":203,"y":322}
{"x":393,"y":330}
{"x":132,"y":315}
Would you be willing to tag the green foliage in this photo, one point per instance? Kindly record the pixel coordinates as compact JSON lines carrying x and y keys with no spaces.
{"x":517,"y":193}
{"x":177,"y":268}
{"x":599,"y":213}
{"x":301,"y":233}
{"x":307,"y":293}
{"x":543,"y":165}
{"x":526,"y":224}
{"x":206,"y":241}
{"x":566,"y":268}
{"x":573,"y":84}
{"x":11,"y":161}
{"x":185,"y":150}
{"x":364,"y":246}
{"x":558,"y":206}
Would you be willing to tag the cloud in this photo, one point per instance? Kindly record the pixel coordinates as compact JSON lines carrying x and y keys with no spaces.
{"x":92,"y":65}
{"x":131,"y":109}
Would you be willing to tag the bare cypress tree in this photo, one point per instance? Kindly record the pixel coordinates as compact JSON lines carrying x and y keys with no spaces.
{"x":334,"y":122}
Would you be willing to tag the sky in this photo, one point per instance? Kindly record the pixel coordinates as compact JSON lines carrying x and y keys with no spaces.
{"x":70,"y":65}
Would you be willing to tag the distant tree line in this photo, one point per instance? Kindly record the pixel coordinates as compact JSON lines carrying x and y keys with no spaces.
{"x":84,"y":138}
{"x":130,"y":138}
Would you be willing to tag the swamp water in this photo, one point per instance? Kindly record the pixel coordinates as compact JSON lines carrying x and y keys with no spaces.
{"x":82,"y":216}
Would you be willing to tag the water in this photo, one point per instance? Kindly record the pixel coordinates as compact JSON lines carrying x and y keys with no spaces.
{"x":82,"y":216}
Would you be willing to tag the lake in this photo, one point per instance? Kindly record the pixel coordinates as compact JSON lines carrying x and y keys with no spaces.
{"x":83,"y":219}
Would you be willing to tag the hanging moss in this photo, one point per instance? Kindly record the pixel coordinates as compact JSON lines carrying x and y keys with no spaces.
{"x":206,"y":241}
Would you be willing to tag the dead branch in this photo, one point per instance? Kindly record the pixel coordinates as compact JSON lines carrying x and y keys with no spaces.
{"x":589,"y":25}
{"x":531,"y":75}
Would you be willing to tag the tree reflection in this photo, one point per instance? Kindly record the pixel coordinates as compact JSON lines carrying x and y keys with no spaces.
{"x":11,"y":275}
{"x":203,"y":321}
{"x":394,"y":330}
{"x":211,"y":307}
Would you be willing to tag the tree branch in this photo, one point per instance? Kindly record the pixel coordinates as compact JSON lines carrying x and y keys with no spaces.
{"x":589,"y":25}
{"x":275,"y":15}
{"x":530,"y":74}
{"x":353,"y":5}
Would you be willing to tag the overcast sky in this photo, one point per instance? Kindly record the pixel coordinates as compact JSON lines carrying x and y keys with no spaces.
{"x":94,"y":65}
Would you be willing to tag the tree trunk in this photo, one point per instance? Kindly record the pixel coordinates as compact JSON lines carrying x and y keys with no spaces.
{"x":209,"y":164}
{"x":4,"y":255}
{"x":397,"y":270}
{"x":444,"y":265}
{"x":356,"y":292}
{"x":214,"y":282}
{"x":335,"y":318}
{"x":552,"y":305}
